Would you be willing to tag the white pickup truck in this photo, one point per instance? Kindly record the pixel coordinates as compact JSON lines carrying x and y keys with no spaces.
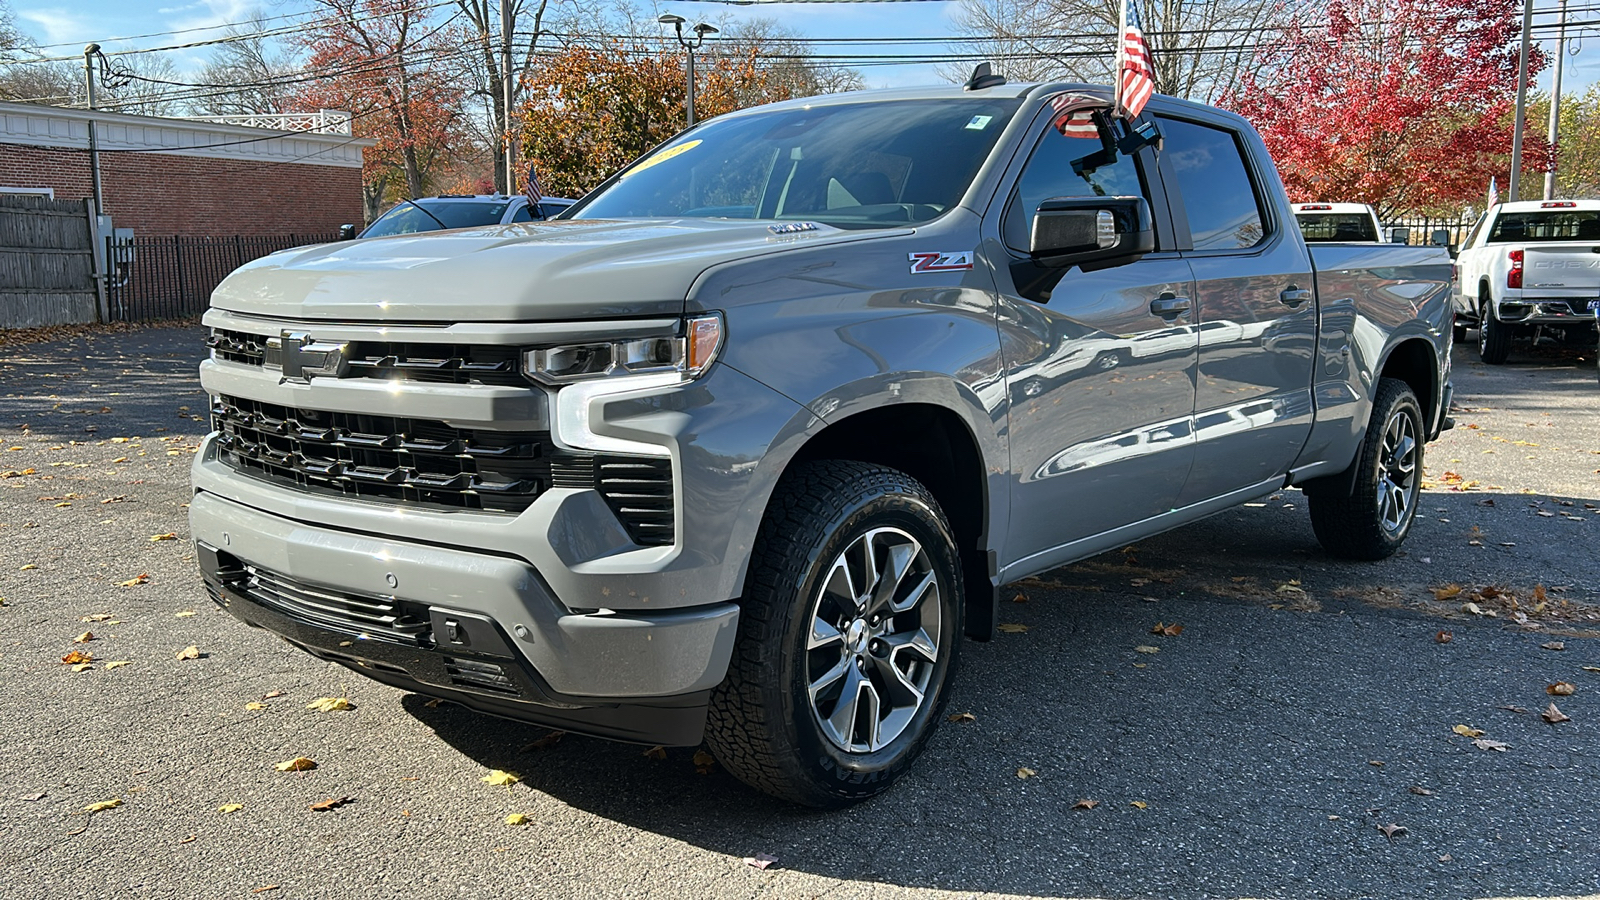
{"x":1338,"y":223}
{"x":1529,"y":265}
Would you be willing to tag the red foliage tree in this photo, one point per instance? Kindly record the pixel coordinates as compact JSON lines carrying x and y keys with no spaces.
{"x":1399,"y":103}
{"x":381,"y":60}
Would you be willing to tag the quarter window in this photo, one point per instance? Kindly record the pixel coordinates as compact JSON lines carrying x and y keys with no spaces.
{"x":1223,"y":209}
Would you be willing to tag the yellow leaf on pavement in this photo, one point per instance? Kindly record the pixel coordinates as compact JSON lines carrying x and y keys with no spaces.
{"x":189,"y":652}
{"x":1012,"y":628}
{"x":516,"y":819}
{"x":1146,"y":648}
{"x":298,"y":764}
{"x":84,"y":638}
{"x":1446,"y":592}
{"x":1139,"y":804}
{"x":1468,"y":731}
{"x":230,"y":807}
{"x":103,"y":805}
{"x":169,"y":536}
{"x":135,"y":581}
{"x":1024,"y":772}
{"x":184,"y":613}
{"x":255,"y":705}
{"x":76,"y":657}
{"x":329,"y":704}
{"x":116,"y":664}
{"x":499,"y":776}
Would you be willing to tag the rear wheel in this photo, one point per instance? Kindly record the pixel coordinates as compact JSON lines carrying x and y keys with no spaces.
{"x":1458,"y":330}
{"x":1374,"y":519}
{"x":1494,"y":336}
{"x":848,"y":634}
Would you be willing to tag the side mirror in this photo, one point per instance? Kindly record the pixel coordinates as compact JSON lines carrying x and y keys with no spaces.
{"x":1440,"y":237}
{"x":347,"y":232}
{"x":1091,"y":232}
{"x":1399,"y":234}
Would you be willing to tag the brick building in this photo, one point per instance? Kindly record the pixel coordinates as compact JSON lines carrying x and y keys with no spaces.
{"x":164,"y":176}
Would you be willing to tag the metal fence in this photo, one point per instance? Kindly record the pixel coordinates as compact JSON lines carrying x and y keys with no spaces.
{"x":172,"y":277}
{"x":1423,"y":226}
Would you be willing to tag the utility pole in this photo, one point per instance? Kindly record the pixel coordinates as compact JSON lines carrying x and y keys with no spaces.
{"x":89,"y":54}
{"x":700,"y":32}
{"x":508,"y":88}
{"x":1555,"y":106}
{"x":1522,"y":101}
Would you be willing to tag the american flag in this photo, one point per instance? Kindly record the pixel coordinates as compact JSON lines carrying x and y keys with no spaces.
{"x":535,"y":192}
{"x":1136,"y":80}
{"x":1494,"y":192}
{"x":1079,"y":124}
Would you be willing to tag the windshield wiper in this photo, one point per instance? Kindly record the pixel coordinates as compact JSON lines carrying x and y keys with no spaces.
{"x":425,"y":212}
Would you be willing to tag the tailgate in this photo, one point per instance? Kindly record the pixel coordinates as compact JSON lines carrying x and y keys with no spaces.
{"x":1561,"y":271}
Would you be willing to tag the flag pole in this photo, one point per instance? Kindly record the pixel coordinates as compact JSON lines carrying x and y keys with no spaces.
{"x":1116,"y":66}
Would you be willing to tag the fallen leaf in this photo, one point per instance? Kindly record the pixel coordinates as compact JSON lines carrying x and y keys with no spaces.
{"x":656,"y":753}
{"x":298,"y":764}
{"x":76,"y":657}
{"x":1025,"y":773}
{"x":30,"y":798}
{"x":331,"y":803}
{"x":1291,"y":587}
{"x":1546,"y":513}
{"x":84,"y":638}
{"x":1560,"y":689}
{"x":254,"y":705}
{"x":28,"y":566}
{"x":1085,"y":804}
{"x":1516,"y":709}
{"x":1539,"y":595}
{"x":1146,"y":648}
{"x":169,"y":536}
{"x":704,"y":762}
{"x":1020,"y":598}
{"x":501,"y":777}
{"x":961,"y":718}
{"x":329,"y":704}
{"x":434,"y":703}
{"x":1443,"y":637}
{"x":760,"y":861}
{"x":1391,"y":830}
{"x":1486,"y":744}
{"x":1472,"y":608}
{"x":189,"y":652}
{"x":1468,"y":731}
{"x":116,"y":664}
{"x":135,"y":581}
{"x":82,"y":667}
{"x":1553,"y":715}
{"x":549,"y":740}
{"x":1012,"y":628}
{"x":96,"y":617}
{"x":230,"y":807}
{"x":1139,"y":804}
{"x":1166,"y":630}
{"x":516,"y":819}
{"x":1421,"y":791}
{"x":183,"y":613}
{"x":103,"y":805}
{"x":1553,"y":645}
{"x":1375,"y":762}
{"x":1590,"y":668}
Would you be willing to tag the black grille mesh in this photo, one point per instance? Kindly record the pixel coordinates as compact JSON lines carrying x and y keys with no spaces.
{"x":395,"y":360}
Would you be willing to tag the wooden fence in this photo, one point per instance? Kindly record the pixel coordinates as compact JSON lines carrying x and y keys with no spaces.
{"x":46,"y":262}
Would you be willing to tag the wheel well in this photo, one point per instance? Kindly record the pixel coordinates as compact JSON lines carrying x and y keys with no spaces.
{"x":934,"y":446}
{"x":1412,"y":362}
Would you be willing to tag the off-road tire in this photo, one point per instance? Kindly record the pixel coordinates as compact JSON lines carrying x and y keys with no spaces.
{"x":1494,"y":337}
{"x":1352,"y":526}
{"x":760,"y":725}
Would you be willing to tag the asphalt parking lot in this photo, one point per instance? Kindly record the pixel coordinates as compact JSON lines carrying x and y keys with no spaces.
{"x":1297,"y":739}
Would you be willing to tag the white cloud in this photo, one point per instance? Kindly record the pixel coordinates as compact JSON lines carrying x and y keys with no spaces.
{"x":58,"y":26}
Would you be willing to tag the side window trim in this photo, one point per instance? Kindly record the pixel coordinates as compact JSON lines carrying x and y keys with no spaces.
{"x":1271,"y":220}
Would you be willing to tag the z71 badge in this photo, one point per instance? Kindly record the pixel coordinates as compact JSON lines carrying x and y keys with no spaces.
{"x":957,"y":261}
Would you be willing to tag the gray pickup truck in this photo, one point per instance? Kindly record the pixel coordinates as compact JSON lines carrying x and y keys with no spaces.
{"x":742,"y":445}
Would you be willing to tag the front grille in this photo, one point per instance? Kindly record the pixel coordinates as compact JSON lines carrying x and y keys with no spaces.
{"x":367,"y":615}
{"x":396,"y":360}
{"x":383,"y":457}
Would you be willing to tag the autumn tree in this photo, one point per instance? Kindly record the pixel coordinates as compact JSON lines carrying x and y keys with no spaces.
{"x":598,"y":107}
{"x":1577,"y":151}
{"x":382,"y":61}
{"x":1402,"y":104}
{"x":247,"y":74}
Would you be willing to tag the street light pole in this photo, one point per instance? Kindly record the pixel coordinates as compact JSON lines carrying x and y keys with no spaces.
{"x":1522,"y":101}
{"x":700,"y":32}
{"x":89,"y":53}
{"x":508,"y":90}
{"x":1555,"y":106}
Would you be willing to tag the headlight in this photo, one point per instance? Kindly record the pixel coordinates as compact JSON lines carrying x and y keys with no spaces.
{"x":689,"y":355}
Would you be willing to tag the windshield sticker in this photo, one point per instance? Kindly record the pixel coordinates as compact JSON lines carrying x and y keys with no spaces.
{"x":954,"y":261}
{"x":979,"y":123}
{"x":665,"y":155}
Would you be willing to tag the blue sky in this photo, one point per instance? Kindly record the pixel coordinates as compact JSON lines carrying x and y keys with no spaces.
{"x":79,"y":21}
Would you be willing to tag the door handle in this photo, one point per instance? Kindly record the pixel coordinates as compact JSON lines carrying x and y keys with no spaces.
{"x":1294,"y":296}
{"x":1169,"y":305}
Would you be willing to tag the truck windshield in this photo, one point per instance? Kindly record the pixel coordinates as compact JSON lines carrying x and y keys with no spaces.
{"x":408,"y":219}
{"x":853,"y":165}
{"x":1563,"y":225}
{"x":1336,"y":227}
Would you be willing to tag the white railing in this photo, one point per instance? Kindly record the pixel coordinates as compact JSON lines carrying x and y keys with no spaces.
{"x":323,"y":121}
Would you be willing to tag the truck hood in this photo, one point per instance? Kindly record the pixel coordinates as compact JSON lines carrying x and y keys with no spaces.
{"x":542,"y":271}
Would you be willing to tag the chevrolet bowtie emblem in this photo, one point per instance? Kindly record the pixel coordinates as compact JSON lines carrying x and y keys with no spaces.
{"x":303,"y":358}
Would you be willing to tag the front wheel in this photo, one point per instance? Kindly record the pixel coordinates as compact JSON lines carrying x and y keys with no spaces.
{"x":1373,"y":520}
{"x":848,"y":634}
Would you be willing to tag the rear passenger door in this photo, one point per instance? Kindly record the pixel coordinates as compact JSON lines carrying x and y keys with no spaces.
{"x":1255,"y":307}
{"x":1100,"y":378}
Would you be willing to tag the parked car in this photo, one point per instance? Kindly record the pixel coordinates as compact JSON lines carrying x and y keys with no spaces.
{"x":1526,"y":266}
{"x":456,"y":211}
{"x":739,"y":447}
{"x":1338,"y":223}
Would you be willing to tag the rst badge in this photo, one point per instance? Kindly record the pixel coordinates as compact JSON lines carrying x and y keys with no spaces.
{"x":928,"y":262}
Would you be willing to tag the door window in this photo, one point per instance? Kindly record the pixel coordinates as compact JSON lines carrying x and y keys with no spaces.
{"x":1049,"y":174}
{"x":1223,"y":208}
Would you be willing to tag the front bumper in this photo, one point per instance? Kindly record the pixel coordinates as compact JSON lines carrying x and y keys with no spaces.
{"x":480,"y":629}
